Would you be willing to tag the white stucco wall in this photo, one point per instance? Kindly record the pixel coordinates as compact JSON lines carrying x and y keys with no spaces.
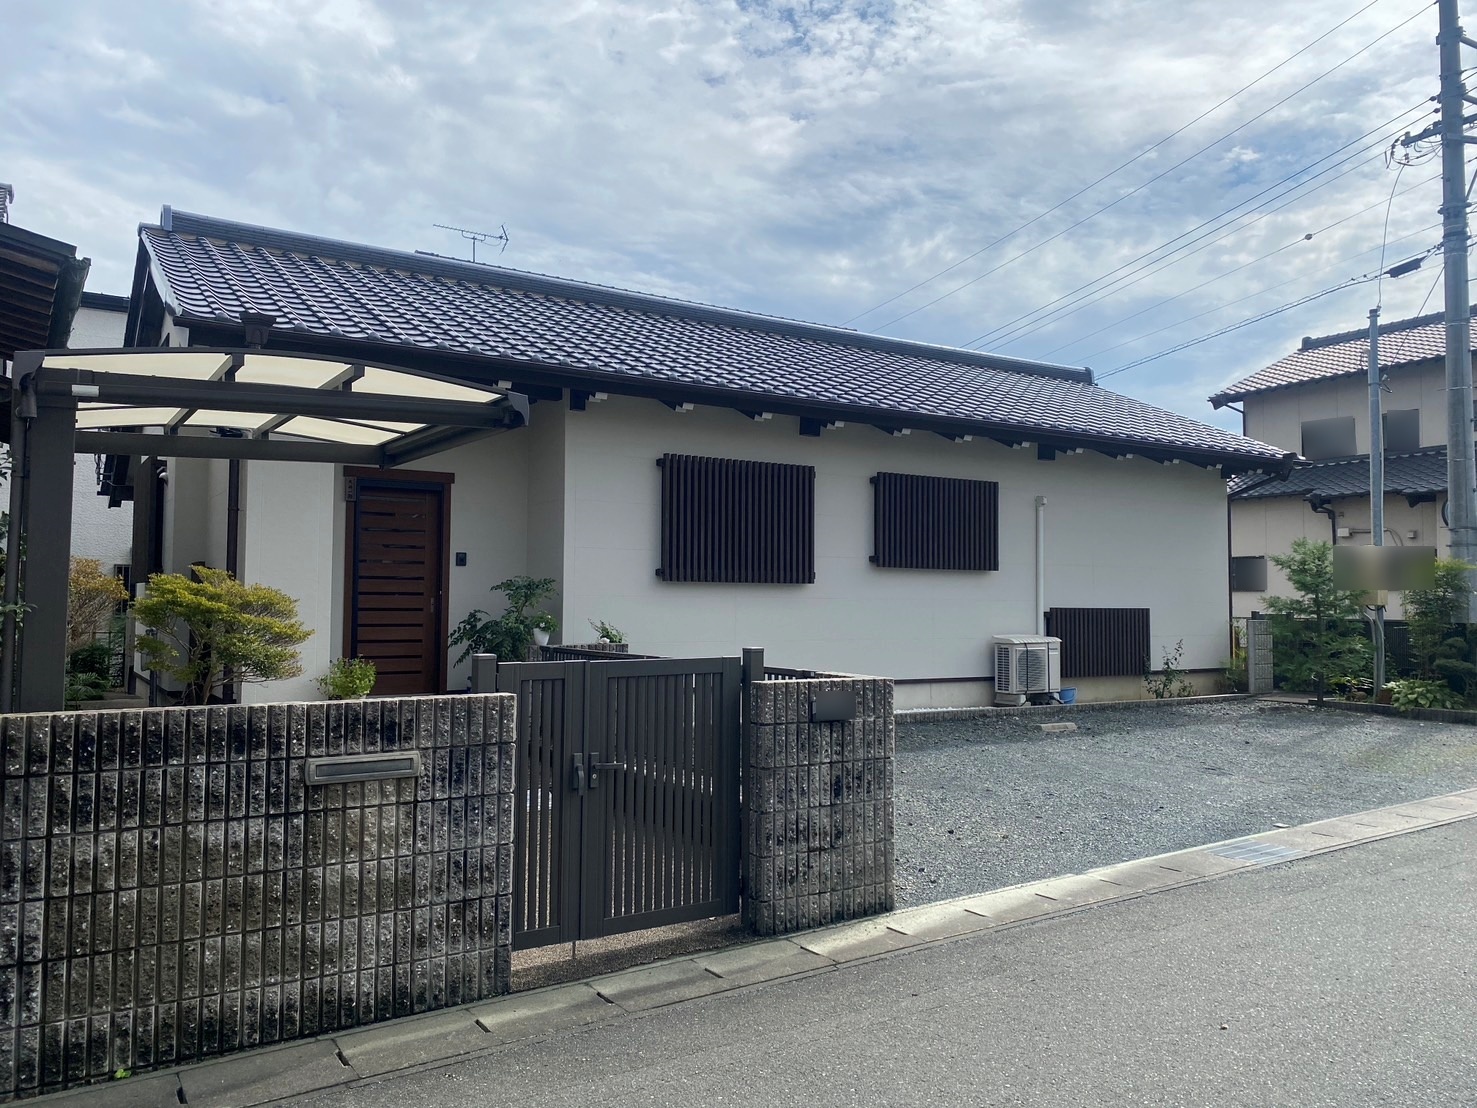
{"x":292,"y":543}
{"x":575,"y":496}
{"x":1266,"y":527}
{"x":1119,"y":533}
{"x":1277,"y":417}
{"x":489,"y":523}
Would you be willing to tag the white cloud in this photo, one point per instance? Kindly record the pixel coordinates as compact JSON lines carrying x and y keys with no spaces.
{"x":809,"y":159}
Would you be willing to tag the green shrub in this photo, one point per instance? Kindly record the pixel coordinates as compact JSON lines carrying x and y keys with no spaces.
{"x":1416,"y":693}
{"x":1170,"y":682}
{"x":347,"y":679}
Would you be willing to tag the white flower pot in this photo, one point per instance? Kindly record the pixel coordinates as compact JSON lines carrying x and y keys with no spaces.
{"x":540,"y":637}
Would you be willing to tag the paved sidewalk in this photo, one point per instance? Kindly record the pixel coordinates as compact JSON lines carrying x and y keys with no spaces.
{"x":348,"y":1060}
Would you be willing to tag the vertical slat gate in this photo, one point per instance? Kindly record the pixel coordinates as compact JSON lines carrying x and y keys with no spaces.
{"x":546,"y":816}
{"x":652,"y":836}
{"x":667,"y":822}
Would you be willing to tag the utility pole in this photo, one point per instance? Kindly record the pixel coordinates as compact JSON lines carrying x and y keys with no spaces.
{"x":1461,"y":467}
{"x":1376,"y":485}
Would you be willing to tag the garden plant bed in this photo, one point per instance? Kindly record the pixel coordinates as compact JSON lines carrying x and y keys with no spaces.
{"x":984,"y":803}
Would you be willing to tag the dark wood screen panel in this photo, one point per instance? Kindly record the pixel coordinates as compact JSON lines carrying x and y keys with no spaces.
{"x":935,"y":522}
{"x":737,"y":522}
{"x":1101,"y":642}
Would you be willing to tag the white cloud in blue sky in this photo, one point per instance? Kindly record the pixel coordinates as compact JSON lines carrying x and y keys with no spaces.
{"x":805,"y":159}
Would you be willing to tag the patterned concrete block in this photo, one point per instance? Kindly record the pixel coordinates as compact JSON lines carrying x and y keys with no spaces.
{"x":818,"y":805}
{"x":171,"y":888}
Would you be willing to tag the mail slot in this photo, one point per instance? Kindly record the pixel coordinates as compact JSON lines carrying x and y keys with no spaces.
{"x":833,"y":707}
{"x":363,"y":767}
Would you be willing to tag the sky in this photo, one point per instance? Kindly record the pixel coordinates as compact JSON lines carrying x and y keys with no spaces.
{"x":930,"y":169}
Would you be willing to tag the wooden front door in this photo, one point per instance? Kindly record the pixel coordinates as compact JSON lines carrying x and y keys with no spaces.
{"x":395,"y":610}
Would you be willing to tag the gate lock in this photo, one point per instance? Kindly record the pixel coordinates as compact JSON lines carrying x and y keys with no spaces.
{"x":584,"y":771}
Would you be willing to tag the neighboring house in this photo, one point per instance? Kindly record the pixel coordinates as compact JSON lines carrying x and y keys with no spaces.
{"x":882,"y":515}
{"x":1316,"y":402}
{"x":42,"y":305}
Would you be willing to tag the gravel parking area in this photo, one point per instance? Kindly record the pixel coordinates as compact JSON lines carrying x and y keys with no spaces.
{"x":981,"y":804}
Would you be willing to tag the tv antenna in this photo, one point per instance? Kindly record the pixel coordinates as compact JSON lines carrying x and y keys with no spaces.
{"x":474,"y":237}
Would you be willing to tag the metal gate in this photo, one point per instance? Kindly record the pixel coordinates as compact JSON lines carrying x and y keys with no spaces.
{"x":627,"y":795}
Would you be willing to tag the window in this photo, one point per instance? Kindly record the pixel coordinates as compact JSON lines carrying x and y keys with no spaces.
{"x":1329,"y":438}
{"x":1101,"y":642}
{"x":1402,"y":431}
{"x":1249,"y":574}
{"x":935,"y":522}
{"x":738,"y":522}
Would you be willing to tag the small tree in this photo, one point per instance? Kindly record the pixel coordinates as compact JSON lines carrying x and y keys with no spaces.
{"x":1439,"y":637}
{"x":1317,"y":633}
{"x":92,"y":598}
{"x":215,"y":629}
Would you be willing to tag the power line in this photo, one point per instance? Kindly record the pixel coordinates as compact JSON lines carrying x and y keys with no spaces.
{"x":1023,"y":324}
{"x":1363,"y":279}
{"x":1253,"y":295}
{"x":1228,"y":273}
{"x":1116,"y":170}
{"x":1157,"y":177}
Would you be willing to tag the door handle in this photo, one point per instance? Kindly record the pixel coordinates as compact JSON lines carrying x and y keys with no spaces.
{"x":577,"y":773}
{"x":596,"y":767}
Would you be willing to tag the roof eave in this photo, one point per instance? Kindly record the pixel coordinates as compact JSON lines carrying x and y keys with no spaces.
{"x":524,"y":375}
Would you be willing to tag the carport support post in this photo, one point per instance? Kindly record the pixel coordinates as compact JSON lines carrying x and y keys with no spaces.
{"x":45,"y":432}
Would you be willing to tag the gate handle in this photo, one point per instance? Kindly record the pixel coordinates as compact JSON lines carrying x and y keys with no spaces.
{"x":596,"y":767}
{"x":577,"y":773}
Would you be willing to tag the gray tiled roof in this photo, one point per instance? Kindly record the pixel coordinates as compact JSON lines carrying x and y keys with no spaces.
{"x":1417,"y":473}
{"x":1404,"y":342}
{"x":212,"y":270}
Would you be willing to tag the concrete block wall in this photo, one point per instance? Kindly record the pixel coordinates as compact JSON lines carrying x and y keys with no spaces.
{"x":818,"y":805}
{"x":1258,"y":656}
{"x":171,"y":888}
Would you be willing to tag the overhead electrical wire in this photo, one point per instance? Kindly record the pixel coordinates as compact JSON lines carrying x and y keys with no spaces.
{"x":1308,"y":237}
{"x":1152,"y":180}
{"x":1071,"y":302}
{"x":1117,"y":169}
{"x":1350,"y":283}
{"x":1050,"y":312}
{"x":1253,"y":295}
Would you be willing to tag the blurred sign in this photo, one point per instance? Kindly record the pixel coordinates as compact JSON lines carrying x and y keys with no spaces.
{"x":1373,"y":569}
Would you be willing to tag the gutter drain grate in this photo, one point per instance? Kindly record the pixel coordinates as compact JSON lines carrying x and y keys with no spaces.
{"x":1257,"y":853}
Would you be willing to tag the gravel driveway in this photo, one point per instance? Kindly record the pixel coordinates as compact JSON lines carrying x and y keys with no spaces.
{"x":992,"y":802}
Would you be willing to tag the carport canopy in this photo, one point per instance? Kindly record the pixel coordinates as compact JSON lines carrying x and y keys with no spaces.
{"x":244,"y":403}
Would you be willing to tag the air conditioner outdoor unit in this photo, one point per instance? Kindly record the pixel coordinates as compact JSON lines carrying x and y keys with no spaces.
{"x":1026,"y":667}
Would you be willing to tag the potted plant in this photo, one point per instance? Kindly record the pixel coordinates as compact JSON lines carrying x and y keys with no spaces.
{"x":543,"y":625}
{"x":511,"y":634}
{"x":608,"y":632}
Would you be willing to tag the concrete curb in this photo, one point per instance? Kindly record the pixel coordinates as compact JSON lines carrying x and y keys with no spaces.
{"x":1425,"y":715}
{"x":287,"y":1072}
{"x":930,"y":715}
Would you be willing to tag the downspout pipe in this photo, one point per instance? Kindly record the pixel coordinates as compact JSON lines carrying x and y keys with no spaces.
{"x":1041,"y":565}
{"x":1323,"y":507}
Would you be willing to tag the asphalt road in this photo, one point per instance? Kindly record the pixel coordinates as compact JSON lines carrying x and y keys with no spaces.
{"x":981,"y":804}
{"x":1345,"y":979}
